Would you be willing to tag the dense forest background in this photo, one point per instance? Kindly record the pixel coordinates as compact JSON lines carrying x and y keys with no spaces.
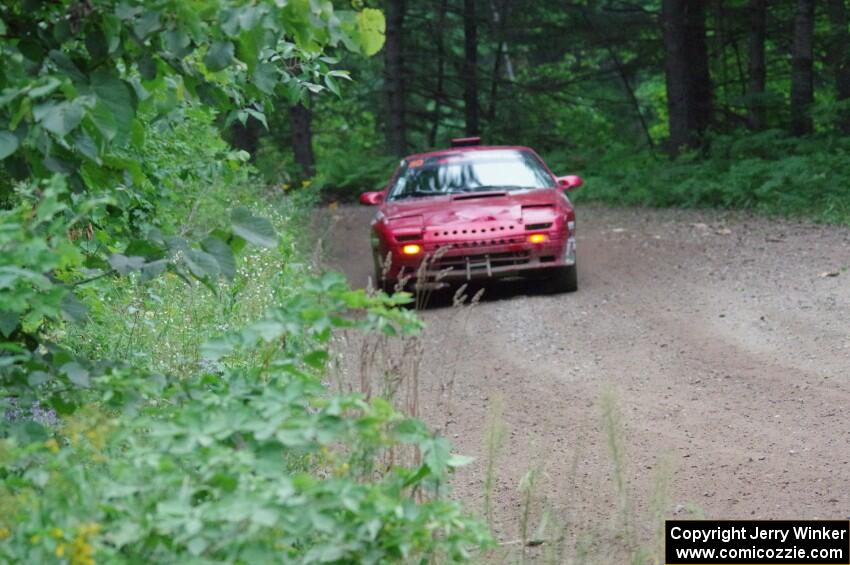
{"x":749,"y":96}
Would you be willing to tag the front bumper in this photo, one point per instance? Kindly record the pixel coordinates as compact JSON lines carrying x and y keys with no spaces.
{"x":462,"y":261}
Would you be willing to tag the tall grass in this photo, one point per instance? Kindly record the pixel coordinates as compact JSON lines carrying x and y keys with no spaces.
{"x":610,"y":535}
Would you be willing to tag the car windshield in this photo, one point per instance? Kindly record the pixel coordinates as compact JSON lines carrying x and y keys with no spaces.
{"x":470,"y":171}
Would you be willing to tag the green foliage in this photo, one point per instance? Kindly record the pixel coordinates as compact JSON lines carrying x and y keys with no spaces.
{"x":350,"y":156}
{"x":130,"y":235}
{"x":248,"y":464}
{"x":768,"y":172}
{"x":72,"y":93}
{"x":80,"y":92}
{"x":197,"y":448}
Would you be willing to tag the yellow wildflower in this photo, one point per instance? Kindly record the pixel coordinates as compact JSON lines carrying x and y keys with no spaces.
{"x":5,"y":533}
{"x":57,"y":533}
{"x":60,"y":550}
{"x":89,"y":529}
{"x":52,"y":445}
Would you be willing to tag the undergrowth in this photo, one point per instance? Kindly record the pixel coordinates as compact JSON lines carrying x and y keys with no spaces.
{"x":214,"y":438}
{"x":768,"y":173}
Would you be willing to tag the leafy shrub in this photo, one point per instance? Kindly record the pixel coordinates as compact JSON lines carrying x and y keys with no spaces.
{"x":162,"y":444}
{"x":251,"y":463}
{"x":129,"y":236}
{"x":767,"y":172}
{"x":350,"y":157}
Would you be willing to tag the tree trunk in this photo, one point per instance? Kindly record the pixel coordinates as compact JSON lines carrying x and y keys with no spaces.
{"x":246,"y":136}
{"x":396,"y":127}
{"x":687,"y":76}
{"x":840,"y":58}
{"x":441,"y":64}
{"x":756,"y":66}
{"x":802,"y":76}
{"x":301,"y":120}
{"x":502,"y":64}
{"x":621,"y":71}
{"x":700,"y":78}
{"x":470,"y":67}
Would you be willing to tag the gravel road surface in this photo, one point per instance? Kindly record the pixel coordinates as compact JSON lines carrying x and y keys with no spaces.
{"x":723,"y":340}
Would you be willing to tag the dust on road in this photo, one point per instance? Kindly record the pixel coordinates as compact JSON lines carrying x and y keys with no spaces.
{"x":725,"y":346}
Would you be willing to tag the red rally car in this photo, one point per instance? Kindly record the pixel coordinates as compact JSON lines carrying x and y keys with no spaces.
{"x":474,"y":212}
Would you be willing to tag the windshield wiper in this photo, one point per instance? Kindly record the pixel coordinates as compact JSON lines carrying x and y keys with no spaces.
{"x":418,"y":193}
{"x":494,"y":187}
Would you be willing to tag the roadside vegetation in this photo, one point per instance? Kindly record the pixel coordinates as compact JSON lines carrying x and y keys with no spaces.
{"x":165,"y":334}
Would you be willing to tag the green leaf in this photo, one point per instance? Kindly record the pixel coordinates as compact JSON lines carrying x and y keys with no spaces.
{"x":8,"y":322}
{"x":117,"y":97}
{"x":229,"y":19}
{"x":68,"y":68}
{"x":147,"y":24}
{"x":104,"y":121}
{"x":73,"y":309}
{"x":456,"y":460}
{"x":222,"y":254}
{"x":37,"y":378}
{"x":177,"y":42}
{"x":8,"y":144}
{"x":316,"y":359}
{"x":217,"y":348}
{"x":250,"y":44}
{"x":124,"y":264}
{"x":201,"y":263}
{"x":96,"y":44}
{"x":86,"y":146}
{"x":127,"y":12}
{"x":49,"y":86}
{"x":147,"y":67}
{"x":59,"y":118}
{"x":371,"y":27}
{"x":144,"y":248}
{"x":258,"y":231}
{"x":137,"y":135}
{"x":77,"y":374}
{"x":257,"y":115}
{"x":219,"y":56}
{"x":265,"y":77}
{"x":332,"y":85}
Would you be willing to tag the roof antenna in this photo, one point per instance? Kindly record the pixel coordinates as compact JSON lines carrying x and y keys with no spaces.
{"x":466,"y":141}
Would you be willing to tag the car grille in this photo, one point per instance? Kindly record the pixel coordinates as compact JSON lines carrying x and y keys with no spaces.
{"x":473,"y":243}
{"x":478,"y":261}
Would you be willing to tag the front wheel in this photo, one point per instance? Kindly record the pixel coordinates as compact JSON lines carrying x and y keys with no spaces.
{"x":563,"y":279}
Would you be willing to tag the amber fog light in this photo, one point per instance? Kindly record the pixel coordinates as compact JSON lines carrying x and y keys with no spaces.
{"x":411,"y":249}
{"x":537,"y":238}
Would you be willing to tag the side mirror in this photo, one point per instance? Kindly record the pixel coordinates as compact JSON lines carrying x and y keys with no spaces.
{"x":371,"y":198}
{"x":570,"y":182}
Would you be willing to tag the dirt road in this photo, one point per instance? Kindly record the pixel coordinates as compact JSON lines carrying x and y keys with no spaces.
{"x":723,"y":343}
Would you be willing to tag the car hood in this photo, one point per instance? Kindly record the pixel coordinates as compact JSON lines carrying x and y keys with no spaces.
{"x":472,"y":207}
